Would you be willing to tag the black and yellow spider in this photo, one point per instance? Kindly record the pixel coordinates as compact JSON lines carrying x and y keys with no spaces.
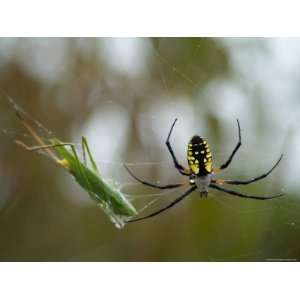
{"x":201,"y":172}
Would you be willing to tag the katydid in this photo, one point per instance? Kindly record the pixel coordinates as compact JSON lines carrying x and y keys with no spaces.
{"x":110,"y":199}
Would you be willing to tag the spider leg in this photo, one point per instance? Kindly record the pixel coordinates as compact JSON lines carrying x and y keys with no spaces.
{"x":226,"y":164}
{"x":244,"y":182}
{"x":162,"y":187}
{"x":178,"y":166}
{"x":177,"y":200}
{"x":243,"y":195}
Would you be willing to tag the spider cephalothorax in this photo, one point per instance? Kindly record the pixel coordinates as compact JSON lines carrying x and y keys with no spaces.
{"x":201,"y":172}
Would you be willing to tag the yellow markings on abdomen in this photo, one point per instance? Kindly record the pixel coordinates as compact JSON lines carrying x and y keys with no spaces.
{"x":199,"y":156}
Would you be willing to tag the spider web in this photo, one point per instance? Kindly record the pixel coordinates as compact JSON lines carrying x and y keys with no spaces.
{"x":246,"y":229}
{"x":221,"y":227}
{"x":279,"y":219}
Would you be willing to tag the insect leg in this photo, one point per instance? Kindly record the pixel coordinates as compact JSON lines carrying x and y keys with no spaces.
{"x":86,"y":147}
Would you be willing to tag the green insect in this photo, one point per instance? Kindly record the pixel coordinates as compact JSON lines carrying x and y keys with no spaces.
{"x":110,"y":199}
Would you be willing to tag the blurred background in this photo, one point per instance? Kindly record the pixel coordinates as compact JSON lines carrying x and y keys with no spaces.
{"x":123,"y":95}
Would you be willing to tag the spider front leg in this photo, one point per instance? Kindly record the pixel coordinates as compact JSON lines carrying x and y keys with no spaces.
{"x":177,"y":165}
{"x":227,"y":163}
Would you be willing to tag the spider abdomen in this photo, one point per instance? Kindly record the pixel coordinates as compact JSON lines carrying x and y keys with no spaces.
{"x":199,"y":156}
